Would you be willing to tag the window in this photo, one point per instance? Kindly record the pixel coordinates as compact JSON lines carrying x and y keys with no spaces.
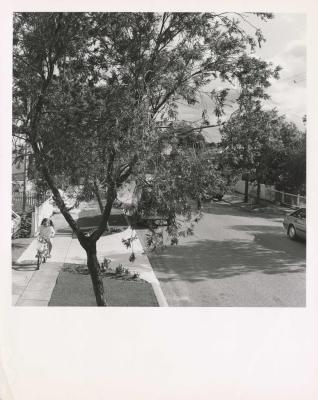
{"x":300,"y":213}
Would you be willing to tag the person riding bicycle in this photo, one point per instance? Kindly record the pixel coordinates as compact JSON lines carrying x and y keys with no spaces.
{"x":46,"y":232}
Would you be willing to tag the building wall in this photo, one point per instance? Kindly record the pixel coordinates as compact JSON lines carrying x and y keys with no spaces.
{"x":45,"y":210}
{"x":265,"y":194}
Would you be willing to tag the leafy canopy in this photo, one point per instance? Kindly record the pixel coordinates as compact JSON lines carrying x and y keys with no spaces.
{"x":95,"y":94}
{"x":267,"y":146}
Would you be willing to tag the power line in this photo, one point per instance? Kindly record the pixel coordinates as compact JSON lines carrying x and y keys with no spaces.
{"x":292,"y":76}
{"x":302,"y":80}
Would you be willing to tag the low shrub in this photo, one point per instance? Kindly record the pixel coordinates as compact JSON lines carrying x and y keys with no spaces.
{"x":25,"y":228}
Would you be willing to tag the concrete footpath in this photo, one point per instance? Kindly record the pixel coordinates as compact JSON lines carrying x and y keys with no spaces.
{"x":237,"y":200}
{"x":34,"y":288}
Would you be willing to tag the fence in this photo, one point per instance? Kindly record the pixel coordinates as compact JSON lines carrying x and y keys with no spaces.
{"x":17,"y":202}
{"x":293,"y":200}
{"x":31,"y":200}
{"x":269,"y":193}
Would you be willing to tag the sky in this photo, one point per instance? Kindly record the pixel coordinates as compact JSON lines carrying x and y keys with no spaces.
{"x":285,"y":46}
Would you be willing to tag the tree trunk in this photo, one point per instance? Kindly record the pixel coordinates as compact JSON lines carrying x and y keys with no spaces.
{"x":25,"y":173}
{"x":246,"y":190}
{"x":100,"y":202}
{"x":199,"y":204}
{"x":258,"y":192}
{"x":88,"y":243}
{"x":94,"y":270}
{"x":97,"y":194}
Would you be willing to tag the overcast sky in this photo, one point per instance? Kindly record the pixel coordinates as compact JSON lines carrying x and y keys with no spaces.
{"x":285,"y":46}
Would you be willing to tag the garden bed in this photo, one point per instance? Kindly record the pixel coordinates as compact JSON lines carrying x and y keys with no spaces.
{"x":25,"y":228}
{"x":74,"y":289}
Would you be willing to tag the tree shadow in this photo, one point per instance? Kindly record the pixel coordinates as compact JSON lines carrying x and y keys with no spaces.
{"x":25,"y":265}
{"x":63,"y":231}
{"x":18,"y":245}
{"x":212,"y":259}
{"x":91,"y":218}
{"x":275,"y":238}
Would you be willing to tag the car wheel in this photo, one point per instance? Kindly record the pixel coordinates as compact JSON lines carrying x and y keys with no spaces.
{"x":292,"y":232}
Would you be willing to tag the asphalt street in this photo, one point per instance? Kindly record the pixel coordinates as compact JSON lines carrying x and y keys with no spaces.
{"x":234,"y":259}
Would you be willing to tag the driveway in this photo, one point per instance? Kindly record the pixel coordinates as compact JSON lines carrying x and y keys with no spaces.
{"x":234,"y":259}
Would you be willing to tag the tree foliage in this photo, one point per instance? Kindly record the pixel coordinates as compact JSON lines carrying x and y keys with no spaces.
{"x":286,"y":159}
{"x":93,"y":93}
{"x":267,"y":147}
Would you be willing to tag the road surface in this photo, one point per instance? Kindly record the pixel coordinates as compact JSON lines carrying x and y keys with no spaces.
{"x":235,"y":259}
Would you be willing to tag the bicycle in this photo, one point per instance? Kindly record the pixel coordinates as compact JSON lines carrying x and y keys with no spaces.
{"x":42,"y":252}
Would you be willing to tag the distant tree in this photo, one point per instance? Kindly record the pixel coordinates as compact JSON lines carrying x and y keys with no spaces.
{"x":245,"y":141}
{"x":265,"y":148}
{"x":93,"y":90}
{"x":286,"y":159}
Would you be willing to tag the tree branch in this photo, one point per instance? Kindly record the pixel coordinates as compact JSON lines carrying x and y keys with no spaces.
{"x":126,"y":170}
{"x":59,"y":201}
{"x":110,"y":198}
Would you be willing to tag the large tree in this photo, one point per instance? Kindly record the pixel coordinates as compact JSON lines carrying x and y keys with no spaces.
{"x":266,"y":148}
{"x":285,"y":158}
{"x":94,"y":93}
{"x":245,"y":141}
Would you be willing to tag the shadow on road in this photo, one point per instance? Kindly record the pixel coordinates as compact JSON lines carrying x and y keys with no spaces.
{"x":269,"y":253}
{"x":275,"y":238}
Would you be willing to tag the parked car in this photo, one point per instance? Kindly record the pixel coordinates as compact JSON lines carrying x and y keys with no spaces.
{"x":15,"y":222}
{"x":211,"y":196}
{"x":143,"y":214}
{"x":218,"y":190}
{"x":295,"y":224}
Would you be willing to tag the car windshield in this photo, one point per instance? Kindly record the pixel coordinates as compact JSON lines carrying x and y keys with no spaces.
{"x":299,"y":213}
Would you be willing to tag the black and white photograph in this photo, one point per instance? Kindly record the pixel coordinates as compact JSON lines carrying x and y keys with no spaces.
{"x":159,"y":159}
